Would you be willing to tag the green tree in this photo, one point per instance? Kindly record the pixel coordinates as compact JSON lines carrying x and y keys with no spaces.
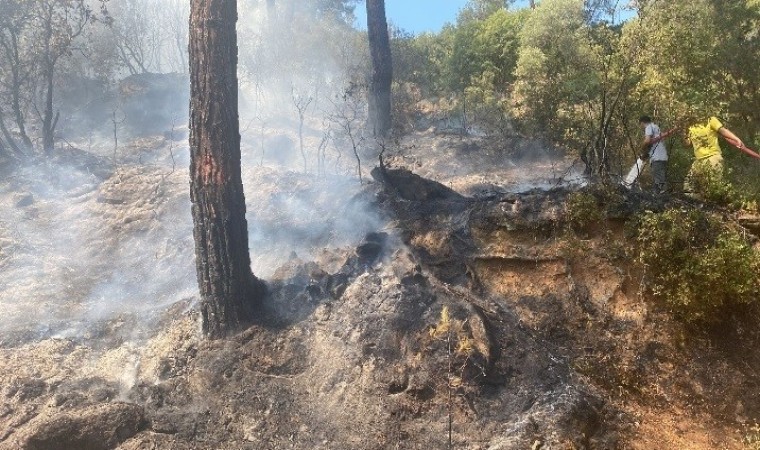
{"x":556,"y":68}
{"x":692,"y":61}
{"x":476,"y":10}
{"x":697,"y":59}
{"x":572,"y":81}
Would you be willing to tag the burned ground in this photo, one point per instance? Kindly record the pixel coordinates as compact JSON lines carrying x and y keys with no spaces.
{"x":549,"y":345}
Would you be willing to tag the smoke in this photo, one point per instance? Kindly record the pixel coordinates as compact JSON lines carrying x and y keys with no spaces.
{"x":78,"y":250}
{"x":296,"y":214}
{"x":99,"y":241}
{"x":299,"y":64}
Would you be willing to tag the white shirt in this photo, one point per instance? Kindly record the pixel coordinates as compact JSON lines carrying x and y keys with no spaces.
{"x":658,"y":151}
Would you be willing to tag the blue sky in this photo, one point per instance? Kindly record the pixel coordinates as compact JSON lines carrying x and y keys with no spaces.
{"x":418,"y":16}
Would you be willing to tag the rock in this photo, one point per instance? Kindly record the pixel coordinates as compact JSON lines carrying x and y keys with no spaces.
{"x":410,"y":186}
{"x":111,"y":201}
{"x":369,"y":250}
{"x":101,"y":427}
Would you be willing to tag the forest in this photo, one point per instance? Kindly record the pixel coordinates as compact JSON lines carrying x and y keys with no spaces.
{"x":578,"y":74}
{"x":249,"y":224}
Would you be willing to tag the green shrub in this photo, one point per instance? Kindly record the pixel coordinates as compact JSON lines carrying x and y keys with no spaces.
{"x":712,"y":185}
{"x":582,"y":210}
{"x":744,"y":175}
{"x":703,"y":269}
{"x":680,"y":159}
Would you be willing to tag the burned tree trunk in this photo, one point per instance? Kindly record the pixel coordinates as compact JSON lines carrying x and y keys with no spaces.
{"x":379,"y":120}
{"x":229,"y":290}
{"x":49,"y":120}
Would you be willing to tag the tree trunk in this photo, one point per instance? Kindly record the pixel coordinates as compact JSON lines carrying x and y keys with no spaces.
{"x":48,"y":122}
{"x":19,"y":116}
{"x":229,"y":290}
{"x":532,"y":4}
{"x":16,"y":83}
{"x":7,"y":136}
{"x":379,"y":120}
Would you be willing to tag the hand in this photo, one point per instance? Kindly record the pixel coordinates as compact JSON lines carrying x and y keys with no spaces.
{"x":735,"y":142}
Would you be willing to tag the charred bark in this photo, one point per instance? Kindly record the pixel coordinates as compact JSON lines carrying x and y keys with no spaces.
{"x":229,"y":290}
{"x":379,"y":120}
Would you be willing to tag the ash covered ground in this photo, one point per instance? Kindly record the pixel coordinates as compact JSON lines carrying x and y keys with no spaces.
{"x":545,"y":342}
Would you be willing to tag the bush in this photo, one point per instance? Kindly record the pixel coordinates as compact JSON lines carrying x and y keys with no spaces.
{"x":703,"y":269}
{"x":744,"y":175}
{"x":712,"y":185}
{"x":582,"y":210}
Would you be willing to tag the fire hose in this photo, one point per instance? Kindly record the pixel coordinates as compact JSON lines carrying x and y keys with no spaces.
{"x":743,"y":148}
{"x":633,"y":174}
{"x":662,"y":136}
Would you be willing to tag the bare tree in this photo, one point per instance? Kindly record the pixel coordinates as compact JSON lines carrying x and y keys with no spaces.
{"x":17,"y":69}
{"x":151,"y":35}
{"x":179,"y":12}
{"x":348,"y":115}
{"x":130,"y":29}
{"x":60,"y":23}
{"x":229,"y":290}
{"x":379,"y":120}
{"x":301,"y":102}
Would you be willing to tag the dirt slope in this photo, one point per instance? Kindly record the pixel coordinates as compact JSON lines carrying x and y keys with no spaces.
{"x":548,"y":344}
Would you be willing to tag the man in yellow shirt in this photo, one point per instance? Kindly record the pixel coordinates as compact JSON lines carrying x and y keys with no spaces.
{"x":707,"y":153}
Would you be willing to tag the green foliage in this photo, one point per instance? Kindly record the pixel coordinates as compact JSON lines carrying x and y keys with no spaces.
{"x":692,"y":58}
{"x":744,"y":175}
{"x":710,"y":184}
{"x":555,"y":67}
{"x":565,"y":71}
{"x":582,"y":210}
{"x":496,"y":47}
{"x":572,"y":84}
{"x":419,"y":60}
{"x":476,"y":10}
{"x":703,"y":269}
{"x":473,"y":62}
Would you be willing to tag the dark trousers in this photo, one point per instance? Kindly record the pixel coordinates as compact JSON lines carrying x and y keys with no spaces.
{"x":660,"y":175}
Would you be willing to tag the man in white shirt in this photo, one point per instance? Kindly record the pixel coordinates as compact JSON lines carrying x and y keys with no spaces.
{"x":654,"y":149}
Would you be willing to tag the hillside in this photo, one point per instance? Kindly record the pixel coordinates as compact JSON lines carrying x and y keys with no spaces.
{"x":549,"y":342}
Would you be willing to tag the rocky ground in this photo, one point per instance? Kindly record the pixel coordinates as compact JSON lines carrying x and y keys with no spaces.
{"x":454,"y":310}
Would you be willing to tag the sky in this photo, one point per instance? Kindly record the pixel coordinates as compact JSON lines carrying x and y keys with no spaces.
{"x":418,"y":16}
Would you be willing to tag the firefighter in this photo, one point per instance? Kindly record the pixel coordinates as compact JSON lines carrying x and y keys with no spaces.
{"x":708,"y":157}
{"x":653,"y":148}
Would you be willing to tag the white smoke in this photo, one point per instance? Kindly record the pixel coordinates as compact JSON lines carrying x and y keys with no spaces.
{"x":102,"y":239}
